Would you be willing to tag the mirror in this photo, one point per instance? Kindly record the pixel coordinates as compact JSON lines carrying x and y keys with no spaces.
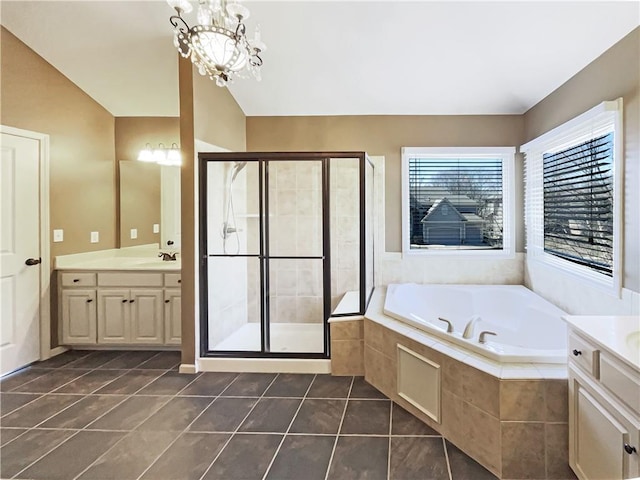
{"x":149,"y":195}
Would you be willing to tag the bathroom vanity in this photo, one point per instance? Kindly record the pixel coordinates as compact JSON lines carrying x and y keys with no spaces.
{"x":604,"y":396}
{"x":118,"y":300}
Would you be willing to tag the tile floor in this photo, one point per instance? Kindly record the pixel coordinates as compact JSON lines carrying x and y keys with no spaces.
{"x":131,"y":415}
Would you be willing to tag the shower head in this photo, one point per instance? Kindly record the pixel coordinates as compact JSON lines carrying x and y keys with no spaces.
{"x":236,"y":169}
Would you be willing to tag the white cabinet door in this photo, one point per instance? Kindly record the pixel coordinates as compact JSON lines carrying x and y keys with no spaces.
{"x":147,"y":316}
{"x":114,"y":325}
{"x":172,"y":316}
{"x":599,"y":434}
{"x":78,"y":317}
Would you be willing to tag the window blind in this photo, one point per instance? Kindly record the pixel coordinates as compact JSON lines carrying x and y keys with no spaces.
{"x":578,"y":203}
{"x":456,"y":202}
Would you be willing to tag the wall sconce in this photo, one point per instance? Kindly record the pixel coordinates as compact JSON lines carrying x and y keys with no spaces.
{"x":161,"y":155}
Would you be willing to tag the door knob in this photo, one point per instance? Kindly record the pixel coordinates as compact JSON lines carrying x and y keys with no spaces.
{"x":32,"y":261}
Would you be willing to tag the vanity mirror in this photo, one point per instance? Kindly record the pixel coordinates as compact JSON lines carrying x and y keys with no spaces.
{"x":148,"y":193}
{"x":149,"y":199}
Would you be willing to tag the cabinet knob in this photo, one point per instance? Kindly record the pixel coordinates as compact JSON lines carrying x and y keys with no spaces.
{"x":179,"y":281}
{"x":167,"y":301}
{"x":630,"y":449}
{"x":76,"y":280}
{"x":90,"y":300}
{"x":577,"y":352}
{"x":125,"y":300}
{"x":131,"y":301}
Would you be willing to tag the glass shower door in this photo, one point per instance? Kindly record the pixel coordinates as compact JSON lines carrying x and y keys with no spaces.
{"x":295,"y":256}
{"x":233,"y":256}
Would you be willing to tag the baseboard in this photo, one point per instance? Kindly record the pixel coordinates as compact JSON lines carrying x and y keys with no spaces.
{"x":55,"y":351}
{"x":188,"y":368}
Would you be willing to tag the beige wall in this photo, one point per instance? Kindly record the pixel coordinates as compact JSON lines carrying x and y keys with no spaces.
{"x":218,"y":119}
{"x":211,"y":114}
{"x":35,"y":96}
{"x":616,"y":73}
{"x":138,"y":199}
{"x":386,"y":135}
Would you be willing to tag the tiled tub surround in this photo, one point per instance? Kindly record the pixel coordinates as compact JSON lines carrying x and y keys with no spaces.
{"x":347,"y":345}
{"x":511,"y":418}
{"x":130,"y":415}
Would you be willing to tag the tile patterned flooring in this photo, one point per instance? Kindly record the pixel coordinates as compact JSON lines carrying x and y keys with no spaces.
{"x":131,"y":415}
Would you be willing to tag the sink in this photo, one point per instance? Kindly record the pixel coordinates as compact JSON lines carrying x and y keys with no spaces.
{"x":633,"y":341}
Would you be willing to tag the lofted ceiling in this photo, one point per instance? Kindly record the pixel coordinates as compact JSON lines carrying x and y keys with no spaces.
{"x":336,"y":58}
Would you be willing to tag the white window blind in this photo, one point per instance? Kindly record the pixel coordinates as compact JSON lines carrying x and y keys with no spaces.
{"x":578,"y":203}
{"x":572,"y":205}
{"x":458,"y":199}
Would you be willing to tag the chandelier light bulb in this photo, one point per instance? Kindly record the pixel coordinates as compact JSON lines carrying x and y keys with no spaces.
{"x":183,"y":5}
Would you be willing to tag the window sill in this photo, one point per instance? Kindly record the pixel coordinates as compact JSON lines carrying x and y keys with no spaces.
{"x":608,"y":285}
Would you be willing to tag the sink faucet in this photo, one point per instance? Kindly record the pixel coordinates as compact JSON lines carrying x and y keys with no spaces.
{"x":167,"y":257}
{"x":468,"y":330}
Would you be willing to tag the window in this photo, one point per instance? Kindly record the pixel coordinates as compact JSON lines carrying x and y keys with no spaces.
{"x":572,"y":206}
{"x":457,"y":200}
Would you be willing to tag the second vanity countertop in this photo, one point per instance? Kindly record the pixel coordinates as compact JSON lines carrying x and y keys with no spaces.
{"x":620,"y":335}
{"x":141,"y":258}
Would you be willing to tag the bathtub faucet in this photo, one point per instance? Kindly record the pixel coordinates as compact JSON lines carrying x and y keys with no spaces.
{"x":482,"y":336}
{"x":468,"y":330}
{"x":449,"y":324}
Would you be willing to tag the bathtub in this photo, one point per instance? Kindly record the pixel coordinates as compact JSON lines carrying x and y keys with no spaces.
{"x":528,"y":328}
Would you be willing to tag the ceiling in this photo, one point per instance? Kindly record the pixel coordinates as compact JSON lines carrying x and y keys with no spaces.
{"x":336,"y":58}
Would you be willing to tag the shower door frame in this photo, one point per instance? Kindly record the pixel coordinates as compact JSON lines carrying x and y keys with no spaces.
{"x":262,"y":159}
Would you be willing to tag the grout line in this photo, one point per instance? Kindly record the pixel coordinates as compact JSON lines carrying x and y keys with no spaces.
{"x":170,"y":397}
{"x":335,"y":444}
{"x":14,"y":428}
{"x":87,"y":371}
{"x":389,"y":445}
{"x":273,"y":459}
{"x":39,"y":395}
{"x":446,"y":457}
{"x":17,"y":475}
{"x":239,"y":424}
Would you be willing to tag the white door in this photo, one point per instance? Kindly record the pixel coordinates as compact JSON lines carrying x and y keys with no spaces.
{"x":19,"y":246}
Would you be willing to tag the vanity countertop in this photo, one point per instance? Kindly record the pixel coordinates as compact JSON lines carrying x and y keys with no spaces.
{"x":140,"y":258}
{"x":620,"y":335}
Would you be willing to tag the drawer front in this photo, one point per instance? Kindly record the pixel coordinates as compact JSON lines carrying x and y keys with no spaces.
{"x":114,"y":279}
{"x":78,"y":279}
{"x":621,"y":381}
{"x":584,"y":354}
{"x":172,"y":280}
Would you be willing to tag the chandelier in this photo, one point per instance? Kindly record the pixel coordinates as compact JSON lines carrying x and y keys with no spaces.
{"x":218,"y":45}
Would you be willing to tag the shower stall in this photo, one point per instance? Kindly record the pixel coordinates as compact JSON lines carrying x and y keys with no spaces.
{"x":286,"y":242}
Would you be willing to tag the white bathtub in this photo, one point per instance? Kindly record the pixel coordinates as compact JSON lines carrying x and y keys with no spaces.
{"x":528,"y":328}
